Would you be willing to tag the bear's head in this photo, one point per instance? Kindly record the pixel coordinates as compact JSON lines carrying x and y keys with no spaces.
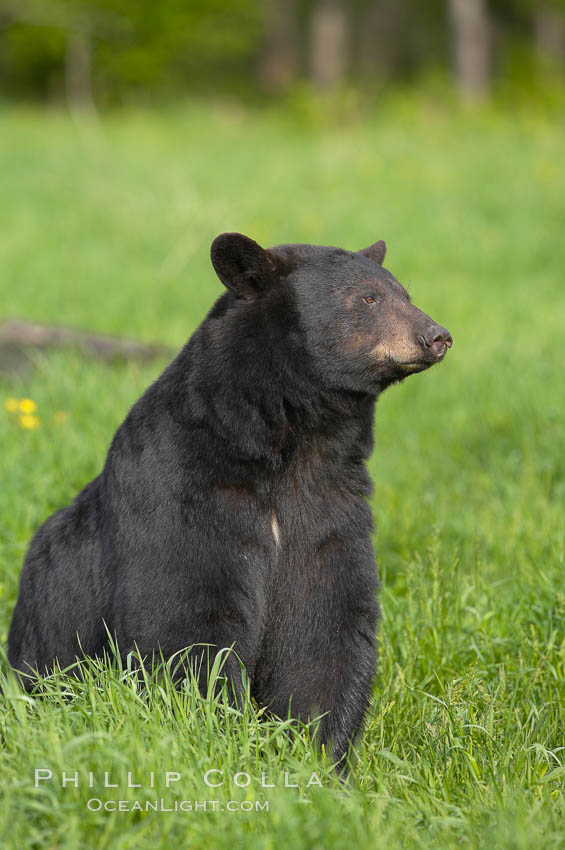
{"x":352,"y":317}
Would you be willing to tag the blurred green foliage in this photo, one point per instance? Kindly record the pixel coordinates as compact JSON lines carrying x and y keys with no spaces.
{"x":142,"y":50}
{"x":137,"y":45}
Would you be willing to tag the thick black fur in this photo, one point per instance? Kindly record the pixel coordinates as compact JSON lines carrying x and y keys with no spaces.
{"x":232,"y":508}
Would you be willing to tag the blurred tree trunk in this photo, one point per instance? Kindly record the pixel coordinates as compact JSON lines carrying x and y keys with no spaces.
{"x":472,"y":41}
{"x":379,"y":27}
{"x":329,"y":42}
{"x":78,"y":67}
{"x":279,"y":62}
{"x":549,"y":27}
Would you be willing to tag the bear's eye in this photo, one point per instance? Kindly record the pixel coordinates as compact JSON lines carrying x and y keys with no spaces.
{"x":368,"y":299}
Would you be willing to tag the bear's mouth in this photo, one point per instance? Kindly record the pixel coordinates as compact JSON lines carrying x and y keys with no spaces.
{"x":408,"y":366}
{"x":422,"y":363}
{"x":415,"y":365}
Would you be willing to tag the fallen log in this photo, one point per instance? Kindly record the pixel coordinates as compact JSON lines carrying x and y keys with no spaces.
{"x":18,"y":339}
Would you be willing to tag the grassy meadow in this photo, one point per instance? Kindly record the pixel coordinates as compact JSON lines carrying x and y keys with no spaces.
{"x":107,"y":227}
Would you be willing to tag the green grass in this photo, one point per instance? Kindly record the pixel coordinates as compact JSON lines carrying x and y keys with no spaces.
{"x":110,"y":229}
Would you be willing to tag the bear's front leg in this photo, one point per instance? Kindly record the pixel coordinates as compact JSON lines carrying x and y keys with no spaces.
{"x":350,"y":673}
{"x":319,"y":652}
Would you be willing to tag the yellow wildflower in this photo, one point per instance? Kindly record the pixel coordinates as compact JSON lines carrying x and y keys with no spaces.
{"x":27,"y":420}
{"x":27,"y":405}
{"x":11,"y":405}
{"x":60,"y":417}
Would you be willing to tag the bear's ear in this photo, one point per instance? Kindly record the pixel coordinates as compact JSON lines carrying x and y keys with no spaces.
{"x":242,"y":265}
{"x":375,"y":252}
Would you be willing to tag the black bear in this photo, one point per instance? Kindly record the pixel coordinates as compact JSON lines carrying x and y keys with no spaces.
{"x":232,"y":508}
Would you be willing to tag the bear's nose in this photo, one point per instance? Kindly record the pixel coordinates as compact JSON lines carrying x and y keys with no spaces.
{"x":438,"y":339}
